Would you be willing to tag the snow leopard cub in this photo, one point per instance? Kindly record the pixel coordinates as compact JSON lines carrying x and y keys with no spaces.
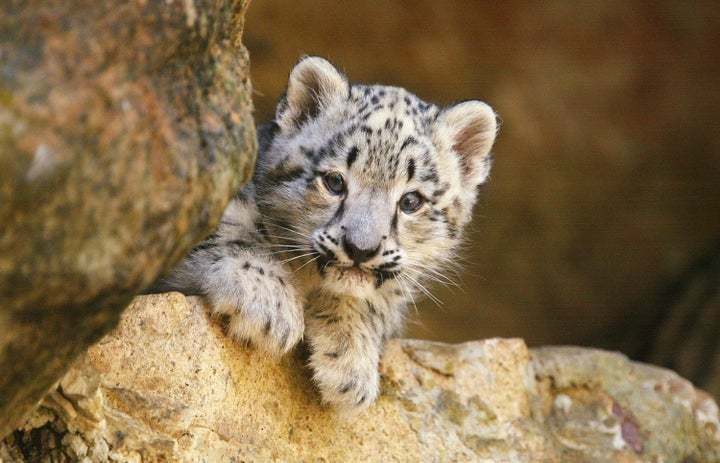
{"x":359,"y":194}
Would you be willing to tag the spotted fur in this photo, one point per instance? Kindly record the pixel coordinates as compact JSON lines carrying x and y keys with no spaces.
{"x":360,"y":192}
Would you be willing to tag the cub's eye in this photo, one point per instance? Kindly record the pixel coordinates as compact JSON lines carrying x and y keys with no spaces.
{"x":334,"y":182}
{"x":411,"y":202}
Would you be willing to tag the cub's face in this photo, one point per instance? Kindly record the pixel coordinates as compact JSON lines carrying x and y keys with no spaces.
{"x":369,"y":185}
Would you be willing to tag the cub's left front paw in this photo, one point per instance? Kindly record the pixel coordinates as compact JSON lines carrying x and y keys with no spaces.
{"x":345,"y":352}
{"x":348,"y":385}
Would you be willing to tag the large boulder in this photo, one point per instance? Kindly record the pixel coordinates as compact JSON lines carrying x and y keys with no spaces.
{"x":168,"y":385}
{"x":124,"y":129}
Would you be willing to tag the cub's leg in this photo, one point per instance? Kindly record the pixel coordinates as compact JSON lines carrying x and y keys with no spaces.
{"x":234,"y":269}
{"x":346,"y":338}
{"x":257,"y":295}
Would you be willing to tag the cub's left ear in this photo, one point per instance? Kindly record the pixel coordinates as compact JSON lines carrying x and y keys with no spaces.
{"x":469,"y":128}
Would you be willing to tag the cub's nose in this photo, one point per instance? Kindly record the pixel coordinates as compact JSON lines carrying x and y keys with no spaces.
{"x":358,"y":255}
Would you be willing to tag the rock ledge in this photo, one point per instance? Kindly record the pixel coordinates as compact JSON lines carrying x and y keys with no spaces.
{"x":167,"y":385}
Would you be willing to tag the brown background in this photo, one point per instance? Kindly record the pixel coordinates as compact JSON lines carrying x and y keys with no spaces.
{"x":607,"y":173}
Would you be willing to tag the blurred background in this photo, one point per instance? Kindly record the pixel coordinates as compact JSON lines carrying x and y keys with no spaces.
{"x":600,"y":225}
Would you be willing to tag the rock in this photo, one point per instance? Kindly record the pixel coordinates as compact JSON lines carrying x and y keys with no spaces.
{"x":167,"y":385}
{"x":124,"y":130}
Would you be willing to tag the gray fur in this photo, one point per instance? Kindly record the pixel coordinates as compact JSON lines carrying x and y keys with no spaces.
{"x":292,"y":257}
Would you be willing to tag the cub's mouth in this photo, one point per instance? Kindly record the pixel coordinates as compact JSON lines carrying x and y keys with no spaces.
{"x":355,"y":274}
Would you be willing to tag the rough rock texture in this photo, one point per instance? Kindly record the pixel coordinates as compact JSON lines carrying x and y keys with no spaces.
{"x":167,"y":385}
{"x":124,"y":129}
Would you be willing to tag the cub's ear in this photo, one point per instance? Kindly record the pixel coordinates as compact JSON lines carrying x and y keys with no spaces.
{"x":469,"y":128}
{"x":314,"y":84}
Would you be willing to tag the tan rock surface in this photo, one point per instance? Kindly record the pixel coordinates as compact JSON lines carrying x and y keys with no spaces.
{"x":124,"y":130}
{"x":167,"y":385}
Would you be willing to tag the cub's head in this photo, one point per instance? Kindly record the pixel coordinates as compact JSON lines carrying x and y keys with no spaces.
{"x":370,"y":183}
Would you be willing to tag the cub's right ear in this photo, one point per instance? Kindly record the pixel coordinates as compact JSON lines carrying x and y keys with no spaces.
{"x":314,"y":85}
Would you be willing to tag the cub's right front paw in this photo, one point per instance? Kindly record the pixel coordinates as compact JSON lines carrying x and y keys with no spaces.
{"x":258,"y":297}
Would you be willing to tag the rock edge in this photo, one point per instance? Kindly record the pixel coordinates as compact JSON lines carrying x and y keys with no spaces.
{"x":168,"y":385}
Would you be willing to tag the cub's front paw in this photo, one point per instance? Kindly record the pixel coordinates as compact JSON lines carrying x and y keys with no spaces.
{"x":345,"y":351}
{"x":260,"y":301}
{"x":348,"y":385}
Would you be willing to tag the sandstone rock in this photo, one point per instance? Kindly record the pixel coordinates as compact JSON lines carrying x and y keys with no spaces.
{"x":124,"y":130}
{"x":167,"y":385}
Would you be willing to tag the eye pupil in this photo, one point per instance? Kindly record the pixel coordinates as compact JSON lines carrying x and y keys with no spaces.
{"x":334,"y":182}
{"x":411,"y":202}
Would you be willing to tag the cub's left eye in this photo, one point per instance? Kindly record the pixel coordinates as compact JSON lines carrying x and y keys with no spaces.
{"x":411,"y":202}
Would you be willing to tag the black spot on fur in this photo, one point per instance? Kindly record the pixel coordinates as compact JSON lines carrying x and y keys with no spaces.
{"x":407,"y":142}
{"x":352,"y":156}
{"x":411,"y":169}
{"x":381,"y":276}
{"x":389,"y":265}
{"x":307,"y":152}
{"x":346,"y":388}
{"x":429,"y":176}
{"x":340,"y":210}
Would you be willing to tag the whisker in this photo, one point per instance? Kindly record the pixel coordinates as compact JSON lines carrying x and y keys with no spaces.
{"x":281,"y":253}
{"x":434,"y":277}
{"x":296,"y":257}
{"x":289,"y":229}
{"x":425,"y":291}
{"x":407,"y":295}
{"x":291,"y":246}
{"x":308,"y":262}
{"x":292,"y":239}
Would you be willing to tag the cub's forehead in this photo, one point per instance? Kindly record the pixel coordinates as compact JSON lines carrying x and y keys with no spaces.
{"x":372,"y":102}
{"x":383,"y":135}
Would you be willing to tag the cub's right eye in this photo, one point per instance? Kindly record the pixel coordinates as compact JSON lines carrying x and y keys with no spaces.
{"x":334,"y":182}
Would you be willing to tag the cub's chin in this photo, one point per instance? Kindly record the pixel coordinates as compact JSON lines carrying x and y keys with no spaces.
{"x":351,"y":281}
